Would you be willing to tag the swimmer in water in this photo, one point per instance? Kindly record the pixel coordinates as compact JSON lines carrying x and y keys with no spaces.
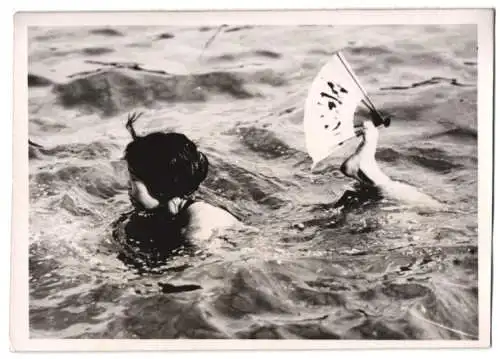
{"x":372,"y":182}
{"x":165,"y":171}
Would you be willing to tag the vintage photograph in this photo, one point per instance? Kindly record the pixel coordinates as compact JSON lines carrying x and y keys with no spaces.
{"x":253,"y":181}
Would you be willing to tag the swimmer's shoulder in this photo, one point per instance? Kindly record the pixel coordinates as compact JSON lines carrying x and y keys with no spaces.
{"x":204,"y":220}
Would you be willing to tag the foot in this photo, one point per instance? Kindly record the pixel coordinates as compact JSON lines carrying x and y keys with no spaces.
{"x":362,"y":165}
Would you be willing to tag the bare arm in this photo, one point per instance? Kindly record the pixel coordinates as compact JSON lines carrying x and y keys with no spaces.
{"x":206,"y":221}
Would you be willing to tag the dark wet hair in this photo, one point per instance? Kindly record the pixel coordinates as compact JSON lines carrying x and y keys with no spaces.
{"x":169,"y":164}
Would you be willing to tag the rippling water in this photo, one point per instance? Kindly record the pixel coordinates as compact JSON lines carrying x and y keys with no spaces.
{"x":381,"y":271}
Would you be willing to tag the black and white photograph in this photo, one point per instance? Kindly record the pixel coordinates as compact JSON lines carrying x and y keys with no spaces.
{"x":223,"y":179}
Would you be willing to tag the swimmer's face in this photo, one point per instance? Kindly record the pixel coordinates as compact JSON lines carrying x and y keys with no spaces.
{"x":139,"y":194}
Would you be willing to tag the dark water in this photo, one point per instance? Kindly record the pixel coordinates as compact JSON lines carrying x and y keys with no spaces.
{"x":381,"y":271}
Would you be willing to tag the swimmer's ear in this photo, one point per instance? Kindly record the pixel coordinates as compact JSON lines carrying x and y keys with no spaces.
{"x":132,"y":117}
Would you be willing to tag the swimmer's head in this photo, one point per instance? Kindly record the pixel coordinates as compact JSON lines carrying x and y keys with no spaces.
{"x":163,"y":166}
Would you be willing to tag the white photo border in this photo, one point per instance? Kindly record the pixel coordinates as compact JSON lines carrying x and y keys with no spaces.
{"x":19,"y":320}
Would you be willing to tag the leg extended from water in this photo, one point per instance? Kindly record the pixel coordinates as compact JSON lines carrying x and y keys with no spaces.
{"x":363,"y":167}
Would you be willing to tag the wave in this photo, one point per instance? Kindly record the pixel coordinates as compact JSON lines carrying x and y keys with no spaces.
{"x":93,"y":150}
{"x":434,"y":158}
{"x":392,"y":310}
{"x":68,"y":203}
{"x":434,"y":161}
{"x":165,"y":36}
{"x":205,"y":28}
{"x":268,"y":54}
{"x":38,"y":81}
{"x":237,"y":184}
{"x":239,"y":28}
{"x":407,"y":111}
{"x":95,"y":51}
{"x":111,"y":91}
{"x":368,"y":50}
{"x":266,"y":76}
{"x":321,"y":51}
{"x":459,"y":133}
{"x":106,"y":32}
{"x":264,"y":143}
{"x":432,"y":81}
{"x":99,"y":181}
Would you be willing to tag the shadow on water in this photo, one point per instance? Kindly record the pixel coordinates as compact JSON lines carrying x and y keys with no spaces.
{"x":148,"y":242}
